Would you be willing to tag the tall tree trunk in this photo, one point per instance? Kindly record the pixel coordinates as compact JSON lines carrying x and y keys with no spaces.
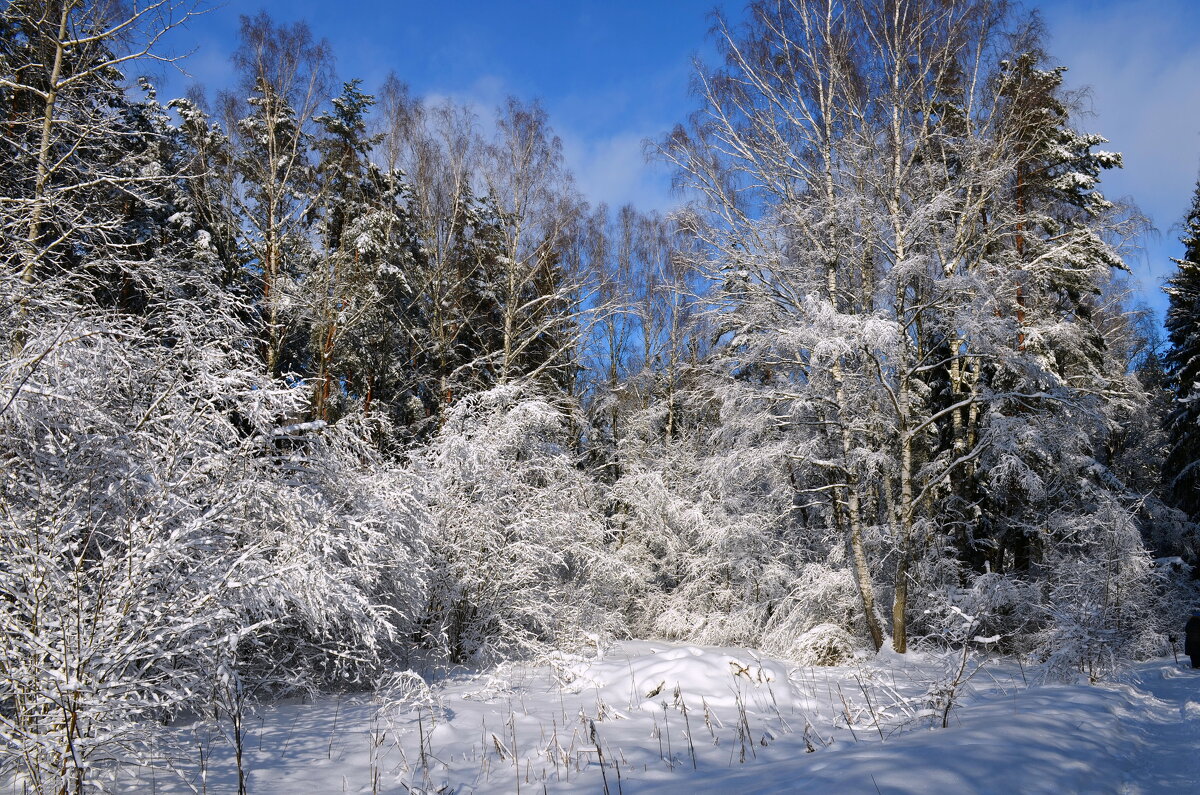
{"x":858,"y":553}
{"x":904,"y":518}
{"x":43,"y":162}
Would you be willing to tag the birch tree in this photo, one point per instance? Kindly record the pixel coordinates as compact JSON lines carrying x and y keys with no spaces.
{"x":285,"y":76}
{"x":865,"y":176}
{"x":61,"y":55}
{"x":538,"y":295}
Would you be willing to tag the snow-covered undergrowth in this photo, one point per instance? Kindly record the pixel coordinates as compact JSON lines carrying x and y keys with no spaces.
{"x":658,"y":717}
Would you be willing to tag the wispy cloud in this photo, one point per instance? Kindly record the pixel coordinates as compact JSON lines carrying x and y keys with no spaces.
{"x":613,"y":170}
{"x":609,"y":164}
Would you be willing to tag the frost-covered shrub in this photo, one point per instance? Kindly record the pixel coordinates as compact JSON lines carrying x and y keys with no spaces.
{"x":716,"y":564}
{"x":822,"y":593}
{"x":339,"y":558}
{"x":517,"y":559}
{"x":1002,"y":606}
{"x":165,"y":538}
{"x":708,"y":578}
{"x":1098,"y":597}
{"x":824,"y":644}
{"x":119,"y":492}
{"x":1177,"y":594}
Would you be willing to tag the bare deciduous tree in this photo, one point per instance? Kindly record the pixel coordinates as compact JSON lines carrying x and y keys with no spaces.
{"x":868,"y":211}
{"x":285,"y":79}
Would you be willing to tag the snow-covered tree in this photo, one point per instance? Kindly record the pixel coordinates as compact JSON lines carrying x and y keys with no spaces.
{"x":284,"y":79}
{"x":361,"y":297}
{"x":164,"y":518}
{"x":907,"y":244}
{"x":1182,"y":361}
{"x":518,"y":558}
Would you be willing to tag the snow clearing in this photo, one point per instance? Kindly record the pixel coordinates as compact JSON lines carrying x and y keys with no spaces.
{"x":669,"y":718}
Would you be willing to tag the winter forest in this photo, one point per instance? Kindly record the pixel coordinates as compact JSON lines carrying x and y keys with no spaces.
{"x":325,"y":397}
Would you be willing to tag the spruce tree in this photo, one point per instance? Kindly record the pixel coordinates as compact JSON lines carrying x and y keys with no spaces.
{"x":1057,"y":262}
{"x":363,"y":299}
{"x":1183,"y":369}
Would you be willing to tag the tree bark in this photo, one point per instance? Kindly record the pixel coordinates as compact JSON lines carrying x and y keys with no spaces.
{"x":43,"y":161}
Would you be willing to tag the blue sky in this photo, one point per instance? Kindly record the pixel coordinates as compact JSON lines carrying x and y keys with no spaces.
{"x":612,"y":73}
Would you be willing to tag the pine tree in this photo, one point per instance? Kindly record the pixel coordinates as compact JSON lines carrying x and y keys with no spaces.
{"x":1182,"y":360}
{"x":211,"y":200}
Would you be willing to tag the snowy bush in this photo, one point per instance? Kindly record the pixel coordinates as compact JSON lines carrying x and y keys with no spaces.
{"x":715,"y":563}
{"x":708,"y":578}
{"x":517,"y":560}
{"x":118,"y":505}
{"x":160,"y":535}
{"x":341,"y":561}
{"x":1177,"y":594}
{"x":1005,"y":607}
{"x":824,"y":644}
{"x":1098,"y":597}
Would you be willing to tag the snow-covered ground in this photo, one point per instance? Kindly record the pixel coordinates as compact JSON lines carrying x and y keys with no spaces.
{"x":669,"y":718}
